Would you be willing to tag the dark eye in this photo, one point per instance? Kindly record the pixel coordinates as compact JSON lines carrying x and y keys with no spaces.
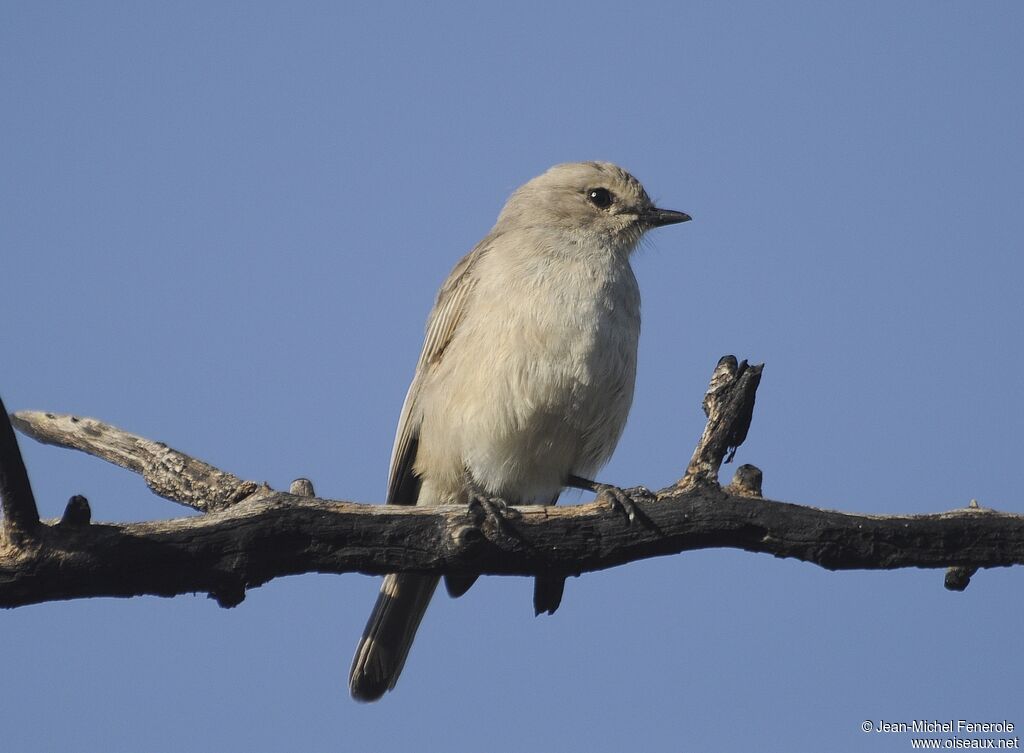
{"x":600,"y":197}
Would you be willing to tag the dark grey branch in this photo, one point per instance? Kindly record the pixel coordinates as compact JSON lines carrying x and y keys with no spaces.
{"x":17,"y":503}
{"x":227,"y":552}
{"x":251,"y":534}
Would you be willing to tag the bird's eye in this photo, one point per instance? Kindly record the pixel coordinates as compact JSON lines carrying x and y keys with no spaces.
{"x":600,"y":197}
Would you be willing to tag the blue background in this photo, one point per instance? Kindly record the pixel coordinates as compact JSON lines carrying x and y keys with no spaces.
{"x":223,"y":227}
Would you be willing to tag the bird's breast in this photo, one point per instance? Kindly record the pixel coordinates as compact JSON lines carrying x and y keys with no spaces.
{"x":538,"y":381}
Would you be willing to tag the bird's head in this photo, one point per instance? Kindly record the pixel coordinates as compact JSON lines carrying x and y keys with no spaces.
{"x":590,"y":199}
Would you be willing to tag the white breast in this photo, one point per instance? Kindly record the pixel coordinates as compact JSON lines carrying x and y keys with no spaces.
{"x":537,"y":382}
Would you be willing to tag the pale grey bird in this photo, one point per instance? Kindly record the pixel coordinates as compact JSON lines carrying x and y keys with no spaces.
{"x":525,"y":379}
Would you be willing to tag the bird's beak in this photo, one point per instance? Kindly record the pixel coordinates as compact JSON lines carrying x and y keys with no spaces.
{"x":659,"y":217}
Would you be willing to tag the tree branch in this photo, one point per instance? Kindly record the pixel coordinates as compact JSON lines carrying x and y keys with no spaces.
{"x":168,"y":473}
{"x":227,"y":552}
{"x":729,"y":406}
{"x":251,"y":534}
{"x":20,"y":515}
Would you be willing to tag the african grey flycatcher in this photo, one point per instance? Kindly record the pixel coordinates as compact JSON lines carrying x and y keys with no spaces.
{"x":525,"y":379}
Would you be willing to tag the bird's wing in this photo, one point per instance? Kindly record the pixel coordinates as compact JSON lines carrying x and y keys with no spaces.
{"x":403,"y":486}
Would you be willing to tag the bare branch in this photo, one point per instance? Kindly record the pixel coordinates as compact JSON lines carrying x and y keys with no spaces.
{"x":20,"y":515}
{"x":169,"y":473}
{"x":729,"y":406}
{"x":251,"y":534}
{"x":227,"y":552}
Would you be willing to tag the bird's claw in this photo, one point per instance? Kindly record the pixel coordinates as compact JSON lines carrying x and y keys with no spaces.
{"x":624,"y":500}
{"x":494,"y":509}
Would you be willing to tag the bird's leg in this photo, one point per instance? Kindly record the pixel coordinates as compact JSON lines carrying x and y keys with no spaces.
{"x":494,"y":508}
{"x":620,"y":499}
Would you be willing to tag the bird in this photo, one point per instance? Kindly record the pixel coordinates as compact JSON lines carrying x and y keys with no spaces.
{"x":525,"y":379}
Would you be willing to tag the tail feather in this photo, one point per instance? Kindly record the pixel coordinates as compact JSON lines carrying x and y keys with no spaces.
{"x":388,"y":636}
{"x":547,"y":593}
{"x":457,"y":585}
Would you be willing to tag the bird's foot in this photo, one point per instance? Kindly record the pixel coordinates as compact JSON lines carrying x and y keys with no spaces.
{"x":622,"y":500}
{"x":495,"y":509}
{"x":625,"y":500}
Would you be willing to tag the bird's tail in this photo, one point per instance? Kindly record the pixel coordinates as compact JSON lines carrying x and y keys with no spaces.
{"x":388,"y":636}
{"x":547,"y":593}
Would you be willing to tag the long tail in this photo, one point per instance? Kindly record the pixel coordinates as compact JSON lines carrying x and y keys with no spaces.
{"x":388,"y":636}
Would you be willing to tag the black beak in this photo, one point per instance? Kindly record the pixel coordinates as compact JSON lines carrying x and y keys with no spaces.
{"x":659,"y":217}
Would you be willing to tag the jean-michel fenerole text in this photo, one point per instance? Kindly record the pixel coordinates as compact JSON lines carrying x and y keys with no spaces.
{"x":940,"y":725}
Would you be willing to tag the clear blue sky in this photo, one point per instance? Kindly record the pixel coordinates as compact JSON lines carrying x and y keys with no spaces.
{"x":224,"y":224}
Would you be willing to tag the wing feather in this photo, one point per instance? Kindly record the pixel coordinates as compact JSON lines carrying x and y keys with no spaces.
{"x":403,"y":485}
